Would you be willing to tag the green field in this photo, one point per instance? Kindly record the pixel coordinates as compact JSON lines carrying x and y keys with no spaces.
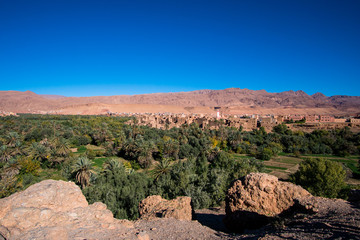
{"x":285,"y":164}
{"x":99,"y":161}
{"x":274,"y":167}
{"x":81,"y":149}
{"x":241,"y":156}
{"x":350,"y":162}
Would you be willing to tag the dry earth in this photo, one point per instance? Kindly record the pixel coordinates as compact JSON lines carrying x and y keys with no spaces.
{"x":232,"y":101}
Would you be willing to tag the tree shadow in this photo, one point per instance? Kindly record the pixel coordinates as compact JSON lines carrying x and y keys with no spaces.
{"x":213,"y":221}
{"x":236,"y":223}
{"x":240,"y":220}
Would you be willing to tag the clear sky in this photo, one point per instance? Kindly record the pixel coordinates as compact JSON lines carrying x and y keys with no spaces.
{"x":113,"y":47}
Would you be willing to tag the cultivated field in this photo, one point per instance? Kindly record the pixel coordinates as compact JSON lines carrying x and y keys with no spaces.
{"x":285,"y":164}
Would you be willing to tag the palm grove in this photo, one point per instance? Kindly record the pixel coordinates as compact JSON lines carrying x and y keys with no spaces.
{"x":121,"y":164}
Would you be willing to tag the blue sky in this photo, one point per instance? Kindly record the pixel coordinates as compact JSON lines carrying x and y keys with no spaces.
{"x":113,"y":47}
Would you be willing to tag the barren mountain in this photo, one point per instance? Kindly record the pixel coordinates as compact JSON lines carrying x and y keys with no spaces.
{"x":232,"y":100}
{"x":47,"y":96}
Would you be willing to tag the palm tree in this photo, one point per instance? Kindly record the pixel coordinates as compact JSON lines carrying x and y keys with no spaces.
{"x":5,"y":153}
{"x":170,"y":148}
{"x":12,"y":138}
{"x":136,"y":130}
{"x":112,"y":164}
{"x":145,"y":153}
{"x":110,"y":148}
{"x":17,"y":149}
{"x":61,"y":147}
{"x":83,"y":170}
{"x":101,"y":134}
{"x":128,"y":168}
{"x":234,"y":138}
{"x":162,"y":168}
{"x":39,"y":152}
{"x":11,"y":169}
{"x":130,"y":148}
{"x":45,"y":142}
{"x":142,"y":150}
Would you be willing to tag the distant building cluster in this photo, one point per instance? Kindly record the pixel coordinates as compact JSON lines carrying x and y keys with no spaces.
{"x":3,"y":114}
{"x":167,"y":121}
{"x":246,"y":122}
{"x":314,"y":118}
{"x":310,"y":122}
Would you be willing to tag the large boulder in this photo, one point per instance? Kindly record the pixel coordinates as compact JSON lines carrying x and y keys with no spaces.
{"x":56,"y":210}
{"x":157,"y":207}
{"x":254,"y":199}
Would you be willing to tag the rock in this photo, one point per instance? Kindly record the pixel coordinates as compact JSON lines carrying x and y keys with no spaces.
{"x":308,"y":204}
{"x":56,"y":210}
{"x":23,"y":219}
{"x":328,"y":219}
{"x":157,"y":207}
{"x":143,"y":236}
{"x":253,"y":200}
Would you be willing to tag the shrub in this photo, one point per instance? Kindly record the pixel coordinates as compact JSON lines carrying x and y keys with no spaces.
{"x":320,"y":177}
{"x":29,"y":166}
{"x":91,"y":154}
{"x":265,"y":154}
{"x":121,"y":192}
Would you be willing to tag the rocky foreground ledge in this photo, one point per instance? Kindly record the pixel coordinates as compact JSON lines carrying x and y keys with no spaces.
{"x":282,"y":210}
{"x":58,"y":210}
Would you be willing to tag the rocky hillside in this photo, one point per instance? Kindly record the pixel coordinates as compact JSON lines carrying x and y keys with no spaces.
{"x":58,"y":210}
{"x":229,"y":98}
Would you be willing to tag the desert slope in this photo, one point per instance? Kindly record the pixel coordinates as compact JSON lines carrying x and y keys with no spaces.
{"x":232,"y":100}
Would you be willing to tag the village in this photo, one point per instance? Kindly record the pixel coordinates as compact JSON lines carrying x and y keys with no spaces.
{"x":246,"y":122}
{"x":305,"y":123}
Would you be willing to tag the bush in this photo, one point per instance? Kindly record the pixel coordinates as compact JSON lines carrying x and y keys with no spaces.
{"x":29,"y":166}
{"x":265,"y":154}
{"x":120,"y":191}
{"x":91,"y":154}
{"x":81,"y":140}
{"x":320,"y":177}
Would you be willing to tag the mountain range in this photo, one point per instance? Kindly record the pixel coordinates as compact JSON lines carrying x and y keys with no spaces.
{"x":231,"y":100}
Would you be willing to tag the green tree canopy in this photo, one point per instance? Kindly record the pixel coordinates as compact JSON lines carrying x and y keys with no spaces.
{"x":320,"y":177}
{"x":83,"y":170}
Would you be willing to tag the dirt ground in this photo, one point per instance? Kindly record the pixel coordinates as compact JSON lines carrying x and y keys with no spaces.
{"x":335,"y":219}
